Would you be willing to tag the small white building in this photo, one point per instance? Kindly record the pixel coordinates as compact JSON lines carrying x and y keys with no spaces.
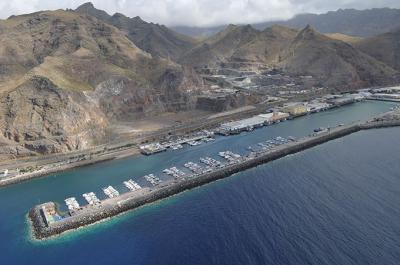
{"x":317,"y":107}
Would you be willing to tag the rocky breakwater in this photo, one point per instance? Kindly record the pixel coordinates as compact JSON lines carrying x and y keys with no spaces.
{"x":132,"y":200}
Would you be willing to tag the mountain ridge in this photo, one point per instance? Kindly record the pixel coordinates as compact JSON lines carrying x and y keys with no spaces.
{"x":353,"y":22}
{"x":306,"y":52}
{"x":384,"y":47}
{"x":155,"y":39}
{"x":65,"y":76}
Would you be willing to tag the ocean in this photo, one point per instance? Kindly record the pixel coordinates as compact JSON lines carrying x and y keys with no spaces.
{"x":337,"y":203}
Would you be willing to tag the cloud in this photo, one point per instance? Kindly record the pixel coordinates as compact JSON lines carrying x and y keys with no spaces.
{"x":198,"y":12}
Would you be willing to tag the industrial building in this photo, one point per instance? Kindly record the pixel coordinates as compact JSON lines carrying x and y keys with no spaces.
{"x":252,"y":123}
{"x":153,"y":148}
{"x":387,"y":90}
{"x":313,"y":107}
{"x":49,"y":213}
{"x":275,"y":116}
{"x":295,"y":108}
{"x":385,"y":97}
{"x":341,"y":100}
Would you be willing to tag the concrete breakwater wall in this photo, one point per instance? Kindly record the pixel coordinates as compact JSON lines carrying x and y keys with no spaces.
{"x":129,"y":201}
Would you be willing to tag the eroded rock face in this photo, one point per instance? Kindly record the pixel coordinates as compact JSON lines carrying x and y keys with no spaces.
{"x":46,"y":119}
{"x":179,"y":89}
{"x":65,"y":75}
{"x":225,"y":103}
{"x":122,"y":98}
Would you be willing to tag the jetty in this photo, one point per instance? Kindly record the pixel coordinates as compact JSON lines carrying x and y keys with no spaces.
{"x":46,"y":220}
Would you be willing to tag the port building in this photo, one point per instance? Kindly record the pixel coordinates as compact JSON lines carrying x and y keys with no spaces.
{"x":295,"y":108}
{"x":251,"y":123}
{"x":313,"y":107}
{"x":49,"y":213}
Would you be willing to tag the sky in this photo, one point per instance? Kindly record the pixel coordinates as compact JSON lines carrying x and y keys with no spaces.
{"x":199,"y":13}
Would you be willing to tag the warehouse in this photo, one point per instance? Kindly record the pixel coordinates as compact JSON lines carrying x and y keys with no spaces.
{"x":252,"y":123}
{"x":295,"y":108}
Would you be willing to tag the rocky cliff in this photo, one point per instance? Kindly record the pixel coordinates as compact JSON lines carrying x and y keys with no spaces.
{"x":64,"y":76}
{"x":158,"y":40}
{"x":47,"y":119}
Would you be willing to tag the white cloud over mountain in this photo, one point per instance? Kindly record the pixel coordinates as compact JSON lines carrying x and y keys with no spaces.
{"x":199,"y":12}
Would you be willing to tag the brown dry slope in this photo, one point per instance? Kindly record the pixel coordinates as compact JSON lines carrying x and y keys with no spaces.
{"x":385,"y":48}
{"x":220,"y":47}
{"x":65,"y":75}
{"x":158,"y":40}
{"x":345,"y":38}
{"x":336,"y":63}
{"x":267,"y":46}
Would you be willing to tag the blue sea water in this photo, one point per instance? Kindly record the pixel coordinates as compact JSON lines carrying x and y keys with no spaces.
{"x":337,"y":203}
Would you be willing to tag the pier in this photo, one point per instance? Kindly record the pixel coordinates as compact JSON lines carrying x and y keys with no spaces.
{"x":44,"y":217}
{"x":192,"y":140}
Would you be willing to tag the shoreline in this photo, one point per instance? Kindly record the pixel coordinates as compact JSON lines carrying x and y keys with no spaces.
{"x":38,"y":174}
{"x":128,"y":148}
{"x":132,"y":200}
{"x":119,"y":151}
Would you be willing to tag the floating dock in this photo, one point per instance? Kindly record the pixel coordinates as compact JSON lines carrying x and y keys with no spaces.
{"x":43,"y":226}
{"x":194,"y":140}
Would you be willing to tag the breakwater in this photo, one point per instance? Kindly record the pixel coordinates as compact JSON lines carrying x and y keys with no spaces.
{"x":128,"y":201}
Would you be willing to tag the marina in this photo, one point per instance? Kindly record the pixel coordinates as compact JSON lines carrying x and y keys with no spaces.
{"x":191,"y":140}
{"x":72,"y":205}
{"x":132,"y":185}
{"x":255,"y":193}
{"x":91,"y":198}
{"x":234,"y":162}
{"x":153,"y":180}
{"x":174,"y":172}
{"x":200,"y":132}
{"x":111,"y":192}
{"x":211,"y":162}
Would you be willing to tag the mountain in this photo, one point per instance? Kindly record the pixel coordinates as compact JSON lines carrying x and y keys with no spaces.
{"x":220,"y":47}
{"x":240,"y":44}
{"x":158,"y":40}
{"x":336,"y":63}
{"x":308,"y":52}
{"x":360,"y":23}
{"x":345,"y":38}
{"x":384,"y":47}
{"x":266,"y":46}
{"x":65,"y":76}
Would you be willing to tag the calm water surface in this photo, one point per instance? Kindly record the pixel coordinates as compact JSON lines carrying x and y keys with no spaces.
{"x":337,"y":203}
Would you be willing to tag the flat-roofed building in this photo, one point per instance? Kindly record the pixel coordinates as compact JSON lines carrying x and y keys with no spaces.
{"x":295,"y":108}
{"x":275,"y":116}
{"x":253,"y":122}
{"x":317,"y":106}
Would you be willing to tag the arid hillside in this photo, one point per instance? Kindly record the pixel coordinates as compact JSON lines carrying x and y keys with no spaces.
{"x":335,"y":62}
{"x":65,"y":75}
{"x":158,"y":40}
{"x":70,"y":78}
{"x":384,"y":47}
